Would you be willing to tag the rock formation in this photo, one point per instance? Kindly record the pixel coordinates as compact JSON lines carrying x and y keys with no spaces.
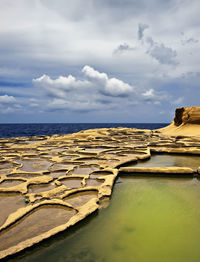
{"x":186,"y":122}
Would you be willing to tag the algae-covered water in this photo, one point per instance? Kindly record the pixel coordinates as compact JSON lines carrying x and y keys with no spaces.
{"x":148,"y":219}
{"x":167,"y":160}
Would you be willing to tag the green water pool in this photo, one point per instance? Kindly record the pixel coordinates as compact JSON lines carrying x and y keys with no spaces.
{"x":148,"y":219}
{"x":167,"y":160}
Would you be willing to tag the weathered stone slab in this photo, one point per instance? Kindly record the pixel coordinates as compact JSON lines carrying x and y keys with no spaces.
{"x":185,"y":171}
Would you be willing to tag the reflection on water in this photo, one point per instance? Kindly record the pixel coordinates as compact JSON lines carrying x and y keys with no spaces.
{"x":148,"y":219}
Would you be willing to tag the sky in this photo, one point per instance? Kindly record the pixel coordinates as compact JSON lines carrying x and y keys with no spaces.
{"x":92,"y":61}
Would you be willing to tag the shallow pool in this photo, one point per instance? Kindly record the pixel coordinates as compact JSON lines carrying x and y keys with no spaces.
{"x":148,"y":219}
{"x":167,"y":160}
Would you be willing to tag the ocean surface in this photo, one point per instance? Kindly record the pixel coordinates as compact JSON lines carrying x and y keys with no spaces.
{"x":20,"y":130}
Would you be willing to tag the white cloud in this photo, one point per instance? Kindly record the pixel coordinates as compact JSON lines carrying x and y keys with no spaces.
{"x":94,"y":74}
{"x":66,"y":83}
{"x":116,"y":87}
{"x":149,"y":93}
{"x":5,"y":99}
{"x":93,"y":80}
{"x":94,"y":91}
{"x":108,"y":86}
{"x":155,"y":97}
{"x":60,"y":86}
{"x":8,"y":104}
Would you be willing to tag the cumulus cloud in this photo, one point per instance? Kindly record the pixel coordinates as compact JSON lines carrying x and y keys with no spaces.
{"x":94,"y":91}
{"x":116,"y":87}
{"x":60,"y":86}
{"x":141,"y":29}
{"x":5,"y":99}
{"x":108,"y":86}
{"x":155,"y":97}
{"x":93,"y":80}
{"x":8,"y":104}
{"x":94,"y":74}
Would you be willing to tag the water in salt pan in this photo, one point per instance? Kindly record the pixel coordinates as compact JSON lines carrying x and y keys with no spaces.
{"x":167,"y":160}
{"x":148,"y":219}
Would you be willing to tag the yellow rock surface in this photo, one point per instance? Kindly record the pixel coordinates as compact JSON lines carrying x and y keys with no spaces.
{"x":158,"y":170}
{"x":186,"y":122}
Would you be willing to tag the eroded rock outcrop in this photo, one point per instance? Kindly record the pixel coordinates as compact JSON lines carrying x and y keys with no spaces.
{"x":187,"y":115}
{"x":186,"y":122}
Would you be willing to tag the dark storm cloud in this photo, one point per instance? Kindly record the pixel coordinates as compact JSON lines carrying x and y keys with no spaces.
{"x":123,"y":48}
{"x":163,"y":54}
{"x":141,"y":29}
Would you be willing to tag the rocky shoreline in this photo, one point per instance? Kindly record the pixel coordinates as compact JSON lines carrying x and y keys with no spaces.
{"x":50,"y":183}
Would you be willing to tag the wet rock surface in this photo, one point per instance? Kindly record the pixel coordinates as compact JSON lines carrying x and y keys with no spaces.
{"x":65,"y":177}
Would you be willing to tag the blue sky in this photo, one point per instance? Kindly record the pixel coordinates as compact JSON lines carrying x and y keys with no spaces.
{"x":98,"y":61}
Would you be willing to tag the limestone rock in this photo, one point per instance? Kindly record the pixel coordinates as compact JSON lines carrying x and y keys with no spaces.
{"x":190,"y":115}
{"x":186,"y":122}
{"x":157,"y":170}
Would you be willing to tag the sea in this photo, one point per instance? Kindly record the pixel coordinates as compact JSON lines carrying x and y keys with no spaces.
{"x":21,"y":130}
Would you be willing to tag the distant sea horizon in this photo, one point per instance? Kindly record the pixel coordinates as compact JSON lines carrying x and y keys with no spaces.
{"x":8,"y":130}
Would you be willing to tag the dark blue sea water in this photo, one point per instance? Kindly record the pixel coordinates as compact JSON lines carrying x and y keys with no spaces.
{"x":17,"y":130}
